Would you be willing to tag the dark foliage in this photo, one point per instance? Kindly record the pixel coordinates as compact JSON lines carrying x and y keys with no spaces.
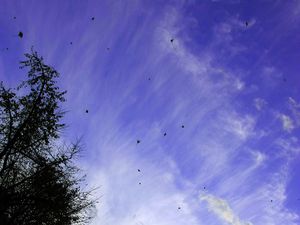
{"x":39,"y":183}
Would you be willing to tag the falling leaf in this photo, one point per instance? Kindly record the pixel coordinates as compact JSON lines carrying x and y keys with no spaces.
{"x":20,"y":34}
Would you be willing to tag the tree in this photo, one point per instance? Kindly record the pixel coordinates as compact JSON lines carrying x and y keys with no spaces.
{"x":39,"y":182}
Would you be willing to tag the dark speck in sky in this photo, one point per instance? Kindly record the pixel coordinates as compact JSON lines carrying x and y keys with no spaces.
{"x":20,"y":34}
{"x":138,"y":141}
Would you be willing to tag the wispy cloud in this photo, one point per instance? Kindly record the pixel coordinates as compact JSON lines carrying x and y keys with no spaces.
{"x":287,"y":122}
{"x":222,"y":209}
{"x":259,"y":103}
{"x":160,"y":74}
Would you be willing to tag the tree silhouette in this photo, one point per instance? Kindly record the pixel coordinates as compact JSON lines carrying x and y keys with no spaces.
{"x":39,"y":182}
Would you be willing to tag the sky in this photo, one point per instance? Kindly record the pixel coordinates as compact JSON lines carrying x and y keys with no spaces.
{"x":209,"y":88}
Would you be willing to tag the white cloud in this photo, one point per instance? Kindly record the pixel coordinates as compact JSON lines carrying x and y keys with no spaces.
{"x":239,"y":85}
{"x":287,"y":122}
{"x":259,"y":158}
{"x":241,"y":126}
{"x":289,"y":145}
{"x":154,"y":201}
{"x":295,"y":108}
{"x":259,"y":103}
{"x":222,"y":209}
{"x":293,"y":103}
{"x":269,"y":201}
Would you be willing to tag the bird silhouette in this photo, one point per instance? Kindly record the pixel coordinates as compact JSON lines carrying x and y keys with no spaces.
{"x":138,"y":141}
{"x":172,"y":40}
{"x":86,"y":111}
{"x":182,"y":126}
{"x":140,"y":183}
{"x":20,"y":34}
{"x":247,"y":23}
{"x":139,"y":170}
{"x":93,"y":18}
{"x":71,"y":43}
{"x":179,"y":207}
{"x":15,"y":17}
{"x":165,"y":134}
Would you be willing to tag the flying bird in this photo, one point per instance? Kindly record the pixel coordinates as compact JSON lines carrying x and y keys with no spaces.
{"x":179,"y":207}
{"x":93,"y":18}
{"x":138,"y":141}
{"x":182,"y":126}
{"x":140,"y":183}
{"x":71,"y":43}
{"x":247,"y":23}
{"x":165,"y":134}
{"x":20,"y":34}
{"x":139,"y":170}
{"x":15,"y":17}
{"x":172,"y":40}
{"x":86,"y":111}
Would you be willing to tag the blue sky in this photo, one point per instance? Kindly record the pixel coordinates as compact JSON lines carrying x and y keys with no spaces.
{"x":235,"y":88}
